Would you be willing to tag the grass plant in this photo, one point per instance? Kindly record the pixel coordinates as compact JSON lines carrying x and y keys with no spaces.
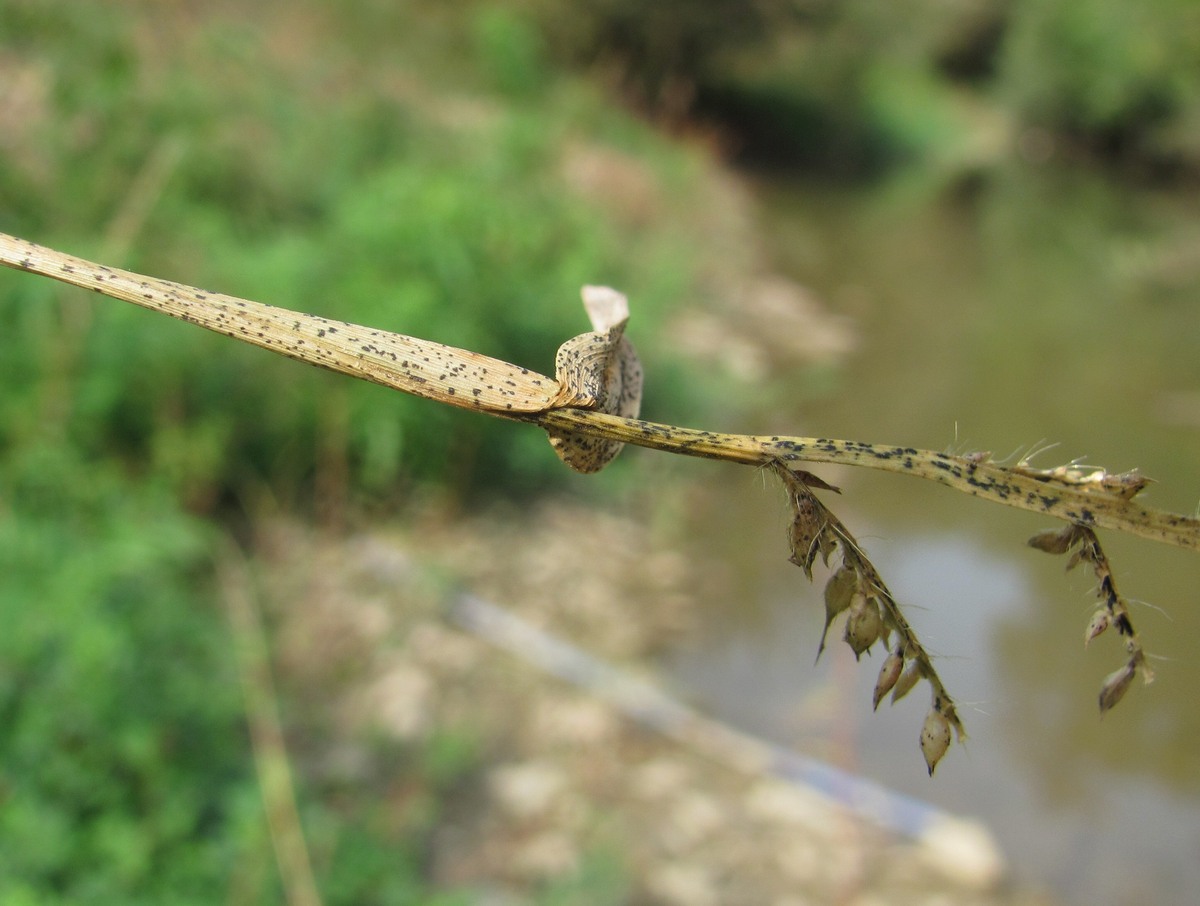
{"x":586,"y":411}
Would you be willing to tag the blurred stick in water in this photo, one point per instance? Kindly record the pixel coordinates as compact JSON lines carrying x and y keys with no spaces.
{"x":963,"y":847}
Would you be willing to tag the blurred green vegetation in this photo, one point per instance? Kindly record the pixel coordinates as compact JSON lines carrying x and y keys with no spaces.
{"x":437,"y":169}
{"x":391,"y":164}
{"x":374,"y":195}
{"x":857,"y":86}
{"x":125,"y":772}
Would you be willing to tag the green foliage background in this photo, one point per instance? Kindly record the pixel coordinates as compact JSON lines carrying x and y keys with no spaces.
{"x":857,"y":86}
{"x":400,"y":165}
{"x":380,"y":163}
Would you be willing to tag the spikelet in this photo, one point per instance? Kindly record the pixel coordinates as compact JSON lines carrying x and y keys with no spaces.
{"x":889,"y":673}
{"x":808,"y":533}
{"x":1113,"y":610}
{"x":908,"y":679}
{"x":1116,"y":684}
{"x":935,"y":737}
{"x":864,"y":623}
{"x":1055,"y":541}
{"x":838,"y":591}
{"x":856,"y":591}
{"x":1100,"y":621}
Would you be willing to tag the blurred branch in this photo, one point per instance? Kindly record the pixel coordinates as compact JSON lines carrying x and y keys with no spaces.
{"x":266,"y":733}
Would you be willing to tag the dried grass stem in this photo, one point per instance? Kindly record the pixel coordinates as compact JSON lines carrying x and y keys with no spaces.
{"x":1078,"y":500}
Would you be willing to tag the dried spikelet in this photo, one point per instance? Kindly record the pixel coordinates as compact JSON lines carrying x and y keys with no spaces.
{"x":807,"y":536}
{"x":935,"y":737}
{"x":805,"y":527}
{"x":864,"y":624}
{"x":1125,"y":485}
{"x":870,"y":611}
{"x":838,"y":591}
{"x":828,"y":544}
{"x":960,"y":733}
{"x":885,"y":633}
{"x":1116,"y":684}
{"x":1055,"y":541}
{"x":889,"y":673}
{"x":1100,"y":621}
{"x":809,"y":480}
{"x":1114,"y":610}
{"x":904,"y":685}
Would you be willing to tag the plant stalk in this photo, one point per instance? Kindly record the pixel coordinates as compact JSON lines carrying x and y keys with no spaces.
{"x":469,"y":380}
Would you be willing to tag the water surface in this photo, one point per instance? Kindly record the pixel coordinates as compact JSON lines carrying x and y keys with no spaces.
{"x":1033,"y":307}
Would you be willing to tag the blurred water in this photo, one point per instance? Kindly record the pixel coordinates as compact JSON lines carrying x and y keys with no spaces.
{"x":1036,"y":306}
